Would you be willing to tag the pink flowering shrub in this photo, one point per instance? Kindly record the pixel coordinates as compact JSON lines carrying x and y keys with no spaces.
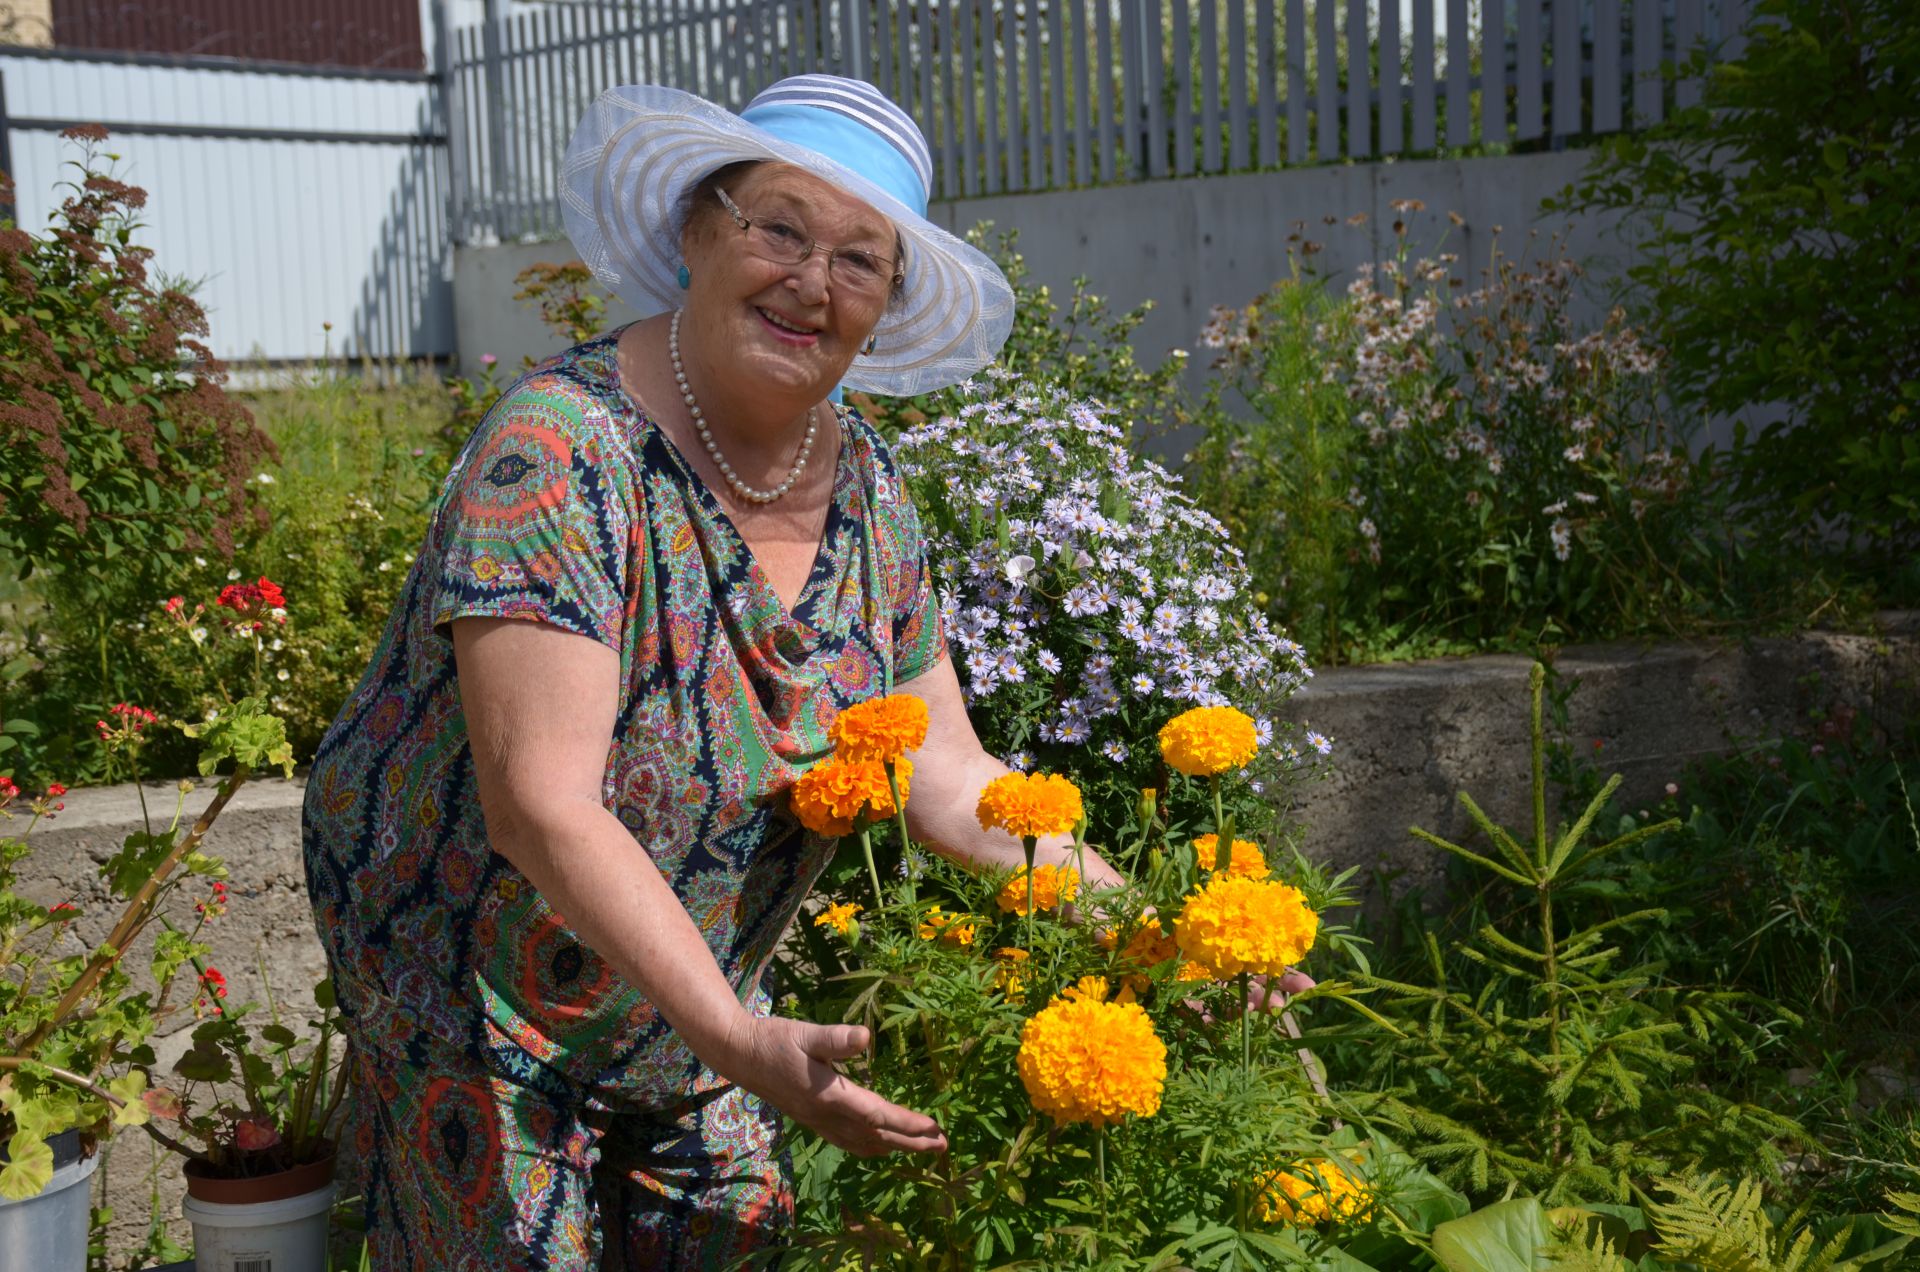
{"x":1446,"y":464}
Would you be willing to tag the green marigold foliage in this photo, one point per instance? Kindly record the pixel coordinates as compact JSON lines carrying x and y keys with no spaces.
{"x":1776,"y":251}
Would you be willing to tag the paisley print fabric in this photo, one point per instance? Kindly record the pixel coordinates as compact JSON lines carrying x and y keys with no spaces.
{"x":569,"y":507}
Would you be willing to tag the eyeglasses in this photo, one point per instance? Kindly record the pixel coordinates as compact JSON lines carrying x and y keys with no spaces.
{"x":773,"y":238}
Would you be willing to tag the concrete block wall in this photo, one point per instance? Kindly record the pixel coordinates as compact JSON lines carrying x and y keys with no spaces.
{"x":1408,"y":738}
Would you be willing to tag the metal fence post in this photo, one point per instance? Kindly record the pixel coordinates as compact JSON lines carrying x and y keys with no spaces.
{"x":499,"y":180}
{"x":6,"y":154}
{"x":449,"y":121}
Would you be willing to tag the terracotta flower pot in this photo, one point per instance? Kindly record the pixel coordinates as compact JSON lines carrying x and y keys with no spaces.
{"x":279,"y":1186}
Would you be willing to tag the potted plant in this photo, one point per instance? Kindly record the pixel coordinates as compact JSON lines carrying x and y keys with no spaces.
{"x":252,"y":1113}
{"x":73,"y":1028}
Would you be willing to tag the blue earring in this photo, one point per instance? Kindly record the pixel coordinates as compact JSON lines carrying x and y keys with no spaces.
{"x":686,"y":278}
{"x":867,"y":349}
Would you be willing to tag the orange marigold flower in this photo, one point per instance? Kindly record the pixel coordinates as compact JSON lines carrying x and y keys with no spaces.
{"x":832,"y":796}
{"x":840,"y":919}
{"x":1311,"y":1192}
{"x":1208,"y":740}
{"x":1246,"y":858}
{"x":1234,"y":924}
{"x":880,"y":729}
{"x":1029,"y":805}
{"x":1009,"y":972}
{"x":1148,"y":947}
{"x":1083,"y":1059}
{"x":1192,"y":971}
{"x":1052,"y":886}
{"x":952,"y":929}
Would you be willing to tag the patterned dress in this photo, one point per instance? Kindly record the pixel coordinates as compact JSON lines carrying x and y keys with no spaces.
{"x":517,"y":1103}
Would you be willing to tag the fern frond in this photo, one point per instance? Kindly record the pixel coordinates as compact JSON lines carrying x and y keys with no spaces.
{"x":1719,"y":1226}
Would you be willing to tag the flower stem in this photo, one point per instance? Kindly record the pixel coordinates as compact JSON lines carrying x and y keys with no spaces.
{"x":873,"y":872}
{"x":134,"y":917}
{"x":1246,"y":1025}
{"x":906,"y":842}
{"x":1029,"y":843}
{"x":1223,"y":843}
{"x":1100,"y":1165}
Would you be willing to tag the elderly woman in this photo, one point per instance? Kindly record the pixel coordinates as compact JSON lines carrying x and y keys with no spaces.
{"x":546,"y":840}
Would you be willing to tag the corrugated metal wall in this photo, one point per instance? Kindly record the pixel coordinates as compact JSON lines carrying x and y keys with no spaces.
{"x":291,"y":199}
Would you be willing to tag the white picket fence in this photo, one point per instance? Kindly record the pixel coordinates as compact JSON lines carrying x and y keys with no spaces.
{"x":1045,"y":94}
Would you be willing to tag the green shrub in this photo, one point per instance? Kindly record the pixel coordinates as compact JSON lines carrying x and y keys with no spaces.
{"x":1417,"y":466}
{"x":127,"y":456}
{"x":1546,"y":1051}
{"x":1775,"y":252}
{"x":349,"y":502}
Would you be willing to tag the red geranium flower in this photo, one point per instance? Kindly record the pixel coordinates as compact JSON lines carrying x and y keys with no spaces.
{"x":128,"y":721}
{"x":252,"y":600}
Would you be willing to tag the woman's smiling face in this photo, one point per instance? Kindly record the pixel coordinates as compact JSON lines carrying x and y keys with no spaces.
{"x":792,"y":327}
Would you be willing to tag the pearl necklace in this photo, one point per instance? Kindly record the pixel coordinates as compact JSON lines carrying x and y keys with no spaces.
{"x":706,"y":437}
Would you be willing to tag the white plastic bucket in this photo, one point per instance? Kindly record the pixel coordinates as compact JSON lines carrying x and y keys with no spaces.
{"x":47,"y":1232}
{"x":261,"y":1236}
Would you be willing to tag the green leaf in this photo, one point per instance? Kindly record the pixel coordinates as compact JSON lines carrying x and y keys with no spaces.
{"x":130,"y":1087}
{"x":29,"y":1167}
{"x":1510,"y":1236}
{"x":205,"y":1062}
{"x":140,"y":854}
{"x":246,"y":733}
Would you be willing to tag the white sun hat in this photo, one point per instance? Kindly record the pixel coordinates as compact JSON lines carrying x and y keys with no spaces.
{"x":641,"y":147}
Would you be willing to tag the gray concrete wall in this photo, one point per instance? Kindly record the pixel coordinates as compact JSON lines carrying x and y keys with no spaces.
{"x":1186,"y":244}
{"x":1408,"y":737}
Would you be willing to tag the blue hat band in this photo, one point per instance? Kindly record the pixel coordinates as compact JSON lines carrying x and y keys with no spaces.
{"x":847,"y":142}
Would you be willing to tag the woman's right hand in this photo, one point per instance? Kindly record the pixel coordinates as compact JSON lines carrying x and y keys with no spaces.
{"x":789,"y":1064}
